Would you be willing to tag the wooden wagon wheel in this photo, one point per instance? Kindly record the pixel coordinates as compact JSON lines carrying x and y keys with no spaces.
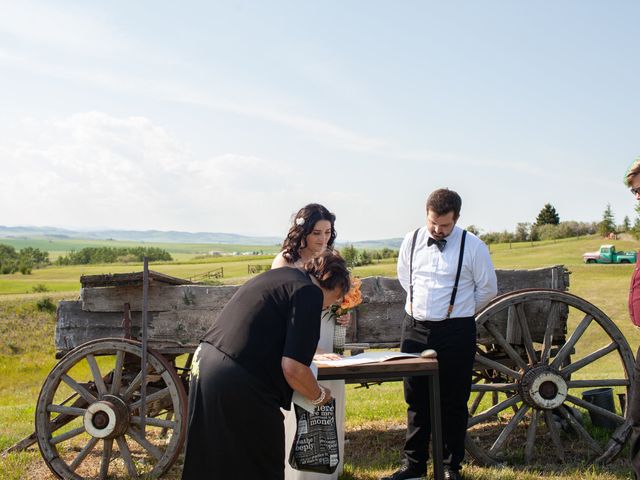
{"x":88,"y":415}
{"x":545,"y":348}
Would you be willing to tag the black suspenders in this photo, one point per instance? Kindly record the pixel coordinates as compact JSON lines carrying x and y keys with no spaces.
{"x":413,"y":246}
{"x":455,"y":285}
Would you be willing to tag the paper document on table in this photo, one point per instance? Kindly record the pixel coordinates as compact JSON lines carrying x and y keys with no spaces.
{"x":367,"y":357}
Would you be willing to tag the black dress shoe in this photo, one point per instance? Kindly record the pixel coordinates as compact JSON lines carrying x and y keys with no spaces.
{"x":451,"y":474}
{"x":406,"y":472}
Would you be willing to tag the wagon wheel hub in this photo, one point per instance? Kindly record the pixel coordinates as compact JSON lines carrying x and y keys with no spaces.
{"x":543,"y":387}
{"x":107,"y":418}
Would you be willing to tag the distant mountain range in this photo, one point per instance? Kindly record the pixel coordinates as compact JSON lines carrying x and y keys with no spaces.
{"x":157,"y":236}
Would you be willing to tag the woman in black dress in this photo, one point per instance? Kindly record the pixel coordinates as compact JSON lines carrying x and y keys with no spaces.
{"x":255,"y":355}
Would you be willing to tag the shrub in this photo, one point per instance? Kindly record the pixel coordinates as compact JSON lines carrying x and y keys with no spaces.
{"x":46,"y":305}
{"x":40,"y":288}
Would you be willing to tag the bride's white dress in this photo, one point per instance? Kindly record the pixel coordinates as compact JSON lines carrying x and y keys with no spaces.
{"x":325,"y":344}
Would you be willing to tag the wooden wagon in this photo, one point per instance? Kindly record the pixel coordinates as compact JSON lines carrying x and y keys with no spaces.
{"x":100,"y":414}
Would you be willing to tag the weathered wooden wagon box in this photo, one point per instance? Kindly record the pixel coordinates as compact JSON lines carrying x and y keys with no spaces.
{"x":181,"y":312}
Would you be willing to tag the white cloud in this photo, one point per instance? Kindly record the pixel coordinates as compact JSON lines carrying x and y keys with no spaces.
{"x":94,"y":170}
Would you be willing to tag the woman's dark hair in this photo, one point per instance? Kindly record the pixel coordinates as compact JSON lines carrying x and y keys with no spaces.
{"x":302,"y":225}
{"x":443,"y":201}
{"x":330,"y":269}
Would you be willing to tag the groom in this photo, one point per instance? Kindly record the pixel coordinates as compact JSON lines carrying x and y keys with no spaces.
{"x":448,"y":276}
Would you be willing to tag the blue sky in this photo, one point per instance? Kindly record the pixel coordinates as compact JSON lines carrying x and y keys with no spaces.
{"x":228,"y":116}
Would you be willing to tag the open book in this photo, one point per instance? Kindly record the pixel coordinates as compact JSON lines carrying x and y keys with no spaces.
{"x":367,"y":357}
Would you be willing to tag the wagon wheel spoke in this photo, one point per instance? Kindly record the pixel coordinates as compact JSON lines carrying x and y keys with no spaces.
{"x":117,"y":373}
{"x":493,"y":411}
{"x":83,"y":392}
{"x":151,"y":398}
{"x":531,"y":436}
{"x":494,"y":387}
{"x":497,"y":366}
{"x":554,"y":433}
{"x":526,"y":333}
{"x":595,"y":409}
{"x":169,"y":418}
{"x":155,"y":422}
{"x":566,"y":349}
{"x":552,"y":320}
{"x":513,"y":355}
{"x":144,"y":443}
{"x":83,"y":453}
{"x":135,"y":383}
{"x":125,"y":453}
{"x":71,"y":411}
{"x":580,"y":430}
{"x":592,"y":357}
{"x":511,"y":426}
{"x":97,"y":376}
{"x":67,"y":435}
{"x":614,"y":382}
{"x":476,"y":402}
{"x":106,"y":458}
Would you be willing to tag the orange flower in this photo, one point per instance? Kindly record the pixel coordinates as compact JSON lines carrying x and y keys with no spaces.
{"x":352,"y":299}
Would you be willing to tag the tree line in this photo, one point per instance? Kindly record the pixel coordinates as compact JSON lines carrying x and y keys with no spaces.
{"x":112,"y":255}
{"x":23,"y":261}
{"x":548,"y":226}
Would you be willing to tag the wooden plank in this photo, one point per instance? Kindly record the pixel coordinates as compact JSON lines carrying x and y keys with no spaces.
{"x":175,"y":328}
{"x":133,"y":278}
{"x":161,"y":298}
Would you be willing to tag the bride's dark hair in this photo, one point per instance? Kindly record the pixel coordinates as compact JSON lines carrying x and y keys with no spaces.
{"x":302,"y":225}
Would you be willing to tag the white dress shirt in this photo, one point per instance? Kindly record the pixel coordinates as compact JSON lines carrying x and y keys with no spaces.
{"x":434,"y":275}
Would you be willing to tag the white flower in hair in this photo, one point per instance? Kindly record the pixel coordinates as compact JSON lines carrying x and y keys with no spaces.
{"x":300,"y":221}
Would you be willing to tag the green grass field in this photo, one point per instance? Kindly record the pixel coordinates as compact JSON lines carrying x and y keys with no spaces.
{"x":375,"y":416}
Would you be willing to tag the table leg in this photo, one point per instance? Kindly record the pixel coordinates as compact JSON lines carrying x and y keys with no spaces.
{"x":436,"y":426}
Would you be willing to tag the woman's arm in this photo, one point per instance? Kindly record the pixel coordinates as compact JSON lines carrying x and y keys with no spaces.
{"x":301,"y":379}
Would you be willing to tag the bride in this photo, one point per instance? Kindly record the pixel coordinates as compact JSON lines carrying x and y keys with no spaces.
{"x":311,"y":233}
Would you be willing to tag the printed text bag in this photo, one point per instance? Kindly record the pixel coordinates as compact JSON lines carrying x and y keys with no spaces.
{"x":315,"y":446}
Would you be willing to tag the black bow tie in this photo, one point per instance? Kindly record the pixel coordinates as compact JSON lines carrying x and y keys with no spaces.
{"x":439,"y":243}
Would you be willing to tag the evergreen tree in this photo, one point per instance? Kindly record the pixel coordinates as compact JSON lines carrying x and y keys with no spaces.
{"x":547,"y":216}
{"x":608,"y":224}
{"x":626,"y":224}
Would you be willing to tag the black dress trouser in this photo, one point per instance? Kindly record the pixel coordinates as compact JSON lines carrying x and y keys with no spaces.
{"x":633,"y":404}
{"x":455,"y":342}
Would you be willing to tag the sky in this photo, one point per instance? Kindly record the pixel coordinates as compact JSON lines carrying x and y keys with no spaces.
{"x":229,"y":116}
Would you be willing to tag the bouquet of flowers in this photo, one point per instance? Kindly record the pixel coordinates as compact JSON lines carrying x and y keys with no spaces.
{"x":351,"y":300}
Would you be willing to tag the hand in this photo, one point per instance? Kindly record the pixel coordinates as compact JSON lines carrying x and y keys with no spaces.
{"x":327,"y":356}
{"x":344,"y":320}
{"x":327,"y":396}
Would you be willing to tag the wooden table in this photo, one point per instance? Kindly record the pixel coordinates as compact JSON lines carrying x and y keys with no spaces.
{"x":393,"y":369}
